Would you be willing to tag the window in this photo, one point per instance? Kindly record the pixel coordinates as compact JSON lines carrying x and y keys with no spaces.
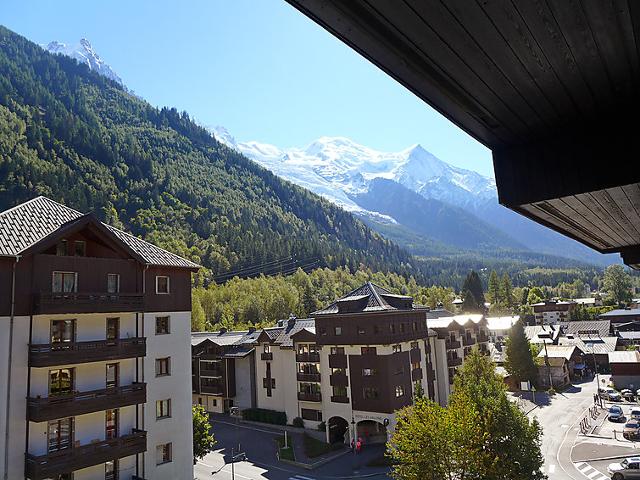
{"x":163,"y":409}
{"x":111,"y":423}
{"x":163,"y":453}
{"x":415,"y":326}
{"x":80,"y":248}
{"x":337,"y":330}
{"x":267,"y":348}
{"x":397,"y":348}
{"x":113,"y":329}
{"x":415,"y":365}
{"x":369,"y":372}
{"x":111,"y":470}
{"x":63,"y":331}
{"x":337,"y":350}
{"x":392,"y":328}
{"x":112,"y":375}
{"x":215,"y":402}
{"x":59,"y":434}
{"x":339,"y":391}
{"x":338,"y":371}
{"x":323,"y":330}
{"x":162,"y":325}
{"x":162,"y":285}
{"x":311,"y":414}
{"x":370,"y":393}
{"x":162,"y":367}
{"x":414,"y":345}
{"x":113,"y":283}
{"x":361,"y":331}
{"x":399,"y":391}
{"x":368,"y":350}
{"x":61,"y":381}
{"x":61,"y":248}
{"x":64,"y":282}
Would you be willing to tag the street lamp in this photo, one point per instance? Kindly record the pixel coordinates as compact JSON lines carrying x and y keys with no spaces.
{"x":235,"y":412}
{"x":595,"y":365}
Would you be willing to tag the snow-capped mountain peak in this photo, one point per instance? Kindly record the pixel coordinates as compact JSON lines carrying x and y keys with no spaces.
{"x":83,"y":52}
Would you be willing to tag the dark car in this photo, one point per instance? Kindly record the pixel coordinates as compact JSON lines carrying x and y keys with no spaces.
{"x":616,"y":414}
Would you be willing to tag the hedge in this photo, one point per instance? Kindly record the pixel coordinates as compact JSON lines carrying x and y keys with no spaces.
{"x":265,"y":416}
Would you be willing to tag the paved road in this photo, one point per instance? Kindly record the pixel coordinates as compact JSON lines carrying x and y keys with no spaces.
{"x":262,"y":464}
{"x":559,"y":417}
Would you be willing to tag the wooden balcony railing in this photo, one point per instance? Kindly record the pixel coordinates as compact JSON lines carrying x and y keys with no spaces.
{"x":338,"y":379}
{"x":454,"y":362}
{"x":80,"y":403}
{"x":308,"y":377}
{"x":87,"y":302}
{"x":467,"y":341}
{"x":50,"y":354}
{"x":309,"y":397}
{"x":313,"y":357}
{"x":337,"y":361}
{"x":339,"y":399}
{"x":415,"y":355}
{"x":483,"y":337}
{"x":74,"y":458}
{"x":266,"y":356}
{"x":452,"y":344}
{"x":210,"y":373}
{"x":416,"y":374}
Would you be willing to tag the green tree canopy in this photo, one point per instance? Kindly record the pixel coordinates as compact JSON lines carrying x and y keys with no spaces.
{"x":203,"y":440}
{"x":480,"y":434}
{"x":617,"y":284}
{"x":519,"y":361}
{"x":493,"y":289}
{"x":473,"y":284}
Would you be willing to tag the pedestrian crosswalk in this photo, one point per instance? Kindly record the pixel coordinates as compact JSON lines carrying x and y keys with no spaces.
{"x":300,"y":477}
{"x":590,"y":472}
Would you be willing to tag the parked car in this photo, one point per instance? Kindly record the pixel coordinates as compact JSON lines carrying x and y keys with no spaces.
{"x":627,"y":395}
{"x":627,"y":468}
{"x":635,"y":414}
{"x":616,"y":414}
{"x":631,"y":430}
{"x":610,"y":394}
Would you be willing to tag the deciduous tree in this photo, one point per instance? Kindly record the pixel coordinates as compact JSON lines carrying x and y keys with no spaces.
{"x":203,"y":440}
{"x":617,"y":284}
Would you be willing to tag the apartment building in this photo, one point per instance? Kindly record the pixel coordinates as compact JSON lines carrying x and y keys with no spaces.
{"x":94,"y":340}
{"x":354,"y":363}
{"x":551,"y":312}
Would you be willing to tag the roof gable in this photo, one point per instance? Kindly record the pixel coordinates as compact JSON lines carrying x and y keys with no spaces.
{"x":369,"y":298}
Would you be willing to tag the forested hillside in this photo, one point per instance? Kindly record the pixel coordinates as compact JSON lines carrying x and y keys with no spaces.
{"x":81,"y":139}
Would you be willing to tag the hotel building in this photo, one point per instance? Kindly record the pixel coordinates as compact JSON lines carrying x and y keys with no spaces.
{"x":94,"y":340}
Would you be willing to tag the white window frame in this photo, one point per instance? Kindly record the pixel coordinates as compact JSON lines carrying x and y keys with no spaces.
{"x":166,"y":412}
{"x":168,"y":317}
{"x":117,"y":275}
{"x":168,"y":359}
{"x":160,"y":461}
{"x":75,"y":281}
{"x":168,"y":285}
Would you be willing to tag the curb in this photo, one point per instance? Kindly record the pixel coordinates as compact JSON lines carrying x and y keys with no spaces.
{"x":319,"y":463}
{"x":598,"y":459}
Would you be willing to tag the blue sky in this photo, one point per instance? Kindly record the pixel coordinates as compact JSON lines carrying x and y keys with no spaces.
{"x":257,"y":67}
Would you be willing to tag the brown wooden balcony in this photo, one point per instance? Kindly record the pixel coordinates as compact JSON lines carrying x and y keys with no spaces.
{"x":452,"y":344}
{"x":266,"y":356}
{"x":79,"y":403}
{"x":309,"y":397}
{"x":454,"y":361}
{"x":308,"y":377}
{"x":339,"y":399}
{"x":313,"y":357}
{"x":467,"y":341}
{"x":210,"y":373}
{"x":212,"y":390}
{"x":337,"y":361}
{"x":338,"y":379}
{"x":416,"y":374}
{"x":51,"y":354}
{"x":71,"y":459}
{"x":87,"y":302}
{"x":483,"y":337}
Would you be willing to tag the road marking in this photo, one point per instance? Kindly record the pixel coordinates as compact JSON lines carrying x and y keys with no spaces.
{"x":552,"y":468}
{"x":590,"y":472}
{"x":300,"y":477}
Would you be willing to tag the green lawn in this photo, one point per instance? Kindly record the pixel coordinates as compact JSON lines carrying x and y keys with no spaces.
{"x":285,"y":453}
{"x":314,"y":448}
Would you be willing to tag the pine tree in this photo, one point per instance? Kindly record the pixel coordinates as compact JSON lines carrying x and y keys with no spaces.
{"x":506,"y":290}
{"x":473,"y":284}
{"x":519,"y":361}
{"x":493,"y":290}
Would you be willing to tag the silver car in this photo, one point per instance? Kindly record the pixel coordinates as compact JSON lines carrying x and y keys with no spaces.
{"x":627,"y":468}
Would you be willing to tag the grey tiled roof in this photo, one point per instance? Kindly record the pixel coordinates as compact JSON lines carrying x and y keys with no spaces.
{"x":377,"y":299}
{"x":284,"y":339}
{"x":28,"y":223}
{"x":587,"y":326}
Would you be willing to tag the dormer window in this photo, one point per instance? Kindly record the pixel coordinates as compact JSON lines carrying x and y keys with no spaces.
{"x":162,"y":285}
{"x":61,"y":248}
{"x":80,"y":248}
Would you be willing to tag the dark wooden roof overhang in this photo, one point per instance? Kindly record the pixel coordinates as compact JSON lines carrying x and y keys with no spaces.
{"x":304,"y":335}
{"x":551,"y":87}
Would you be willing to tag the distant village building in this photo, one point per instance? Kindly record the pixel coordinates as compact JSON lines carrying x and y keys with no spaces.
{"x":621,"y":316}
{"x":562,"y":361}
{"x":625,"y":369}
{"x":457,"y":305}
{"x":541,"y":334}
{"x":551,"y":312}
{"x":499,"y":327}
{"x":589,"y":301}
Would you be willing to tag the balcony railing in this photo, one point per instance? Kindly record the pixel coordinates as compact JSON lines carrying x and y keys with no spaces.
{"x":339,"y":399}
{"x":416,"y":374}
{"x":79,"y":403}
{"x":308,"y":377}
{"x":338,"y":361}
{"x":212,"y":390}
{"x":415,"y":355}
{"x":210,"y":373}
{"x":266,"y":356}
{"x":309,"y":397}
{"x":87,"y":302}
{"x":50,"y":354}
{"x":313,"y":357}
{"x":338,"y":379}
{"x":483,"y":337}
{"x":467,"y":341}
{"x":70,"y":459}
{"x":452,"y":344}
{"x":454,"y":361}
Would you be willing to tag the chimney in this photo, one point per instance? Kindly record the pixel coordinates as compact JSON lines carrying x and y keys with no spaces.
{"x":292,"y":320}
{"x":252,"y":329}
{"x":223,"y":330}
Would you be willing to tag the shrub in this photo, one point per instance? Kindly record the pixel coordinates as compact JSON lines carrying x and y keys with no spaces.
{"x":265,"y":416}
{"x":298,"y":422}
{"x":322,"y":426}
